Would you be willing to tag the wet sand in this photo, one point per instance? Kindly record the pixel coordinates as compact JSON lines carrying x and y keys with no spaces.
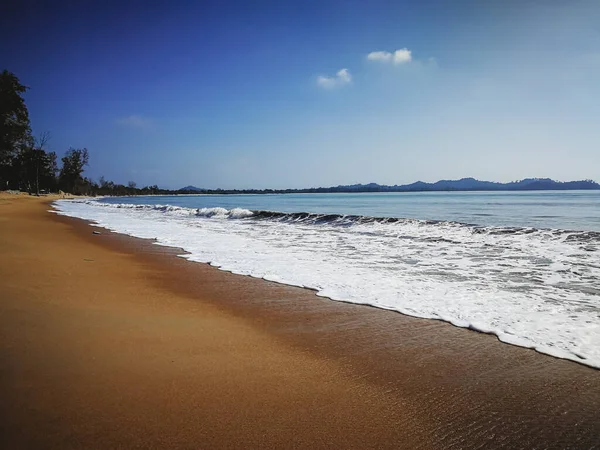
{"x":107,"y":341}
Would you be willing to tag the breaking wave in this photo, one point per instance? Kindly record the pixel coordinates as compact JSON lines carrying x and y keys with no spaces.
{"x":532,"y":287}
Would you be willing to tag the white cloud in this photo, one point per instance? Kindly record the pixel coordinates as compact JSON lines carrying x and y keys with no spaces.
{"x":134,"y":121}
{"x":401,"y":56}
{"x":379,"y":56}
{"x":341,"y":78}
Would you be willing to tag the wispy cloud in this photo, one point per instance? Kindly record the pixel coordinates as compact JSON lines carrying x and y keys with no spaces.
{"x":135,"y":121}
{"x":341,"y":78}
{"x":401,"y":56}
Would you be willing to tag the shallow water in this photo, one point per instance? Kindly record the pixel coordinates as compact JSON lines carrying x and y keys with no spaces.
{"x":524,"y":266}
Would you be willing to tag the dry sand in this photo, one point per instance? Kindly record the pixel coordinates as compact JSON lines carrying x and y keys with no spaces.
{"x":111,"y":342}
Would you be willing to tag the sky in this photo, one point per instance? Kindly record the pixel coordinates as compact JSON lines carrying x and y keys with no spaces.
{"x":286,"y":94}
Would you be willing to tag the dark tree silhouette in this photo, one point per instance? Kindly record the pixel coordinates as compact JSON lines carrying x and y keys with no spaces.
{"x":73,"y":164}
{"x":39,"y":166}
{"x":15,"y":130}
{"x":36,"y":170}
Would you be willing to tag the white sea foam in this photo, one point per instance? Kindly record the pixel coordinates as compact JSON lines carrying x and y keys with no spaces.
{"x":533,"y":288}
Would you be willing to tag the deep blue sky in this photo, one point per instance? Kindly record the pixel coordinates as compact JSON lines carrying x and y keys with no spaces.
{"x":254,"y":94}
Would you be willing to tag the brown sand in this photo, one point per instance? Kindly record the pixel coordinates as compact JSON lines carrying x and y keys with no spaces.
{"x":111,"y":342}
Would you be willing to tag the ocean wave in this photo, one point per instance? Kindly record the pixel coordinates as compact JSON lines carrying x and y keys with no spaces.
{"x":216,"y":213}
{"x":531,"y":287}
{"x":345,"y":220}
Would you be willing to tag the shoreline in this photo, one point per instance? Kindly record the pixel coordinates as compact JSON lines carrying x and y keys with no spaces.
{"x":395,"y":379}
{"x":505,"y":337}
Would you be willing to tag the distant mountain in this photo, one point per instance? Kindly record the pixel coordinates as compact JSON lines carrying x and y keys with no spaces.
{"x":471,"y":184}
{"x":464,"y":184}
{"x":192,"y":188}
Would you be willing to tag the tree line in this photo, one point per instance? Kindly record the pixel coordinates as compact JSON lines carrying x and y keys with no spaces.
{"x":26,"y":164}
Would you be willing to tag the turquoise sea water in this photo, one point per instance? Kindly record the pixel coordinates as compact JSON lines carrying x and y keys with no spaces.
{"x":567,"y":210}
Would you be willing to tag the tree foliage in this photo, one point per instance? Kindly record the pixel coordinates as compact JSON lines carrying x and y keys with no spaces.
{"x":15,"y":130}
{"x":14,"y":117}
{"x":36,"y":170}
{"x":104,"y":187}
{"x":73,"y":164}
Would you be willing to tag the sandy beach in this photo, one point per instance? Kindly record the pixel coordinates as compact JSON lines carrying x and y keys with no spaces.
{"x":107,"y":341}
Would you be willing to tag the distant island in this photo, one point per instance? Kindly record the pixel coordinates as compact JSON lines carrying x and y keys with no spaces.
{"x":464,"y":184}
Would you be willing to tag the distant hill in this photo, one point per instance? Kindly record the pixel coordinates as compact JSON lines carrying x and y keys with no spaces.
{"x":192,"y":188}
{"x":471,"y":184}
{"x":464,"y":184}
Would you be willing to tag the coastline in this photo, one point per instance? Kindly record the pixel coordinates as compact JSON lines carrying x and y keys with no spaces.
{"x":285,"y":367}
{"x":506,"y":288}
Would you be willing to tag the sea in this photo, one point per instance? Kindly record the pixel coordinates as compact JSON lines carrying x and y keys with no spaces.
{"x":524,"y":266}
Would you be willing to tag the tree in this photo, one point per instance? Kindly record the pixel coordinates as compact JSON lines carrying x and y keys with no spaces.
{"x":36,"y":170}
{"x":73,"y":164}
{"x":41,"y":166}
{"x":51,"y":172}
{"x":15,"y":130}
